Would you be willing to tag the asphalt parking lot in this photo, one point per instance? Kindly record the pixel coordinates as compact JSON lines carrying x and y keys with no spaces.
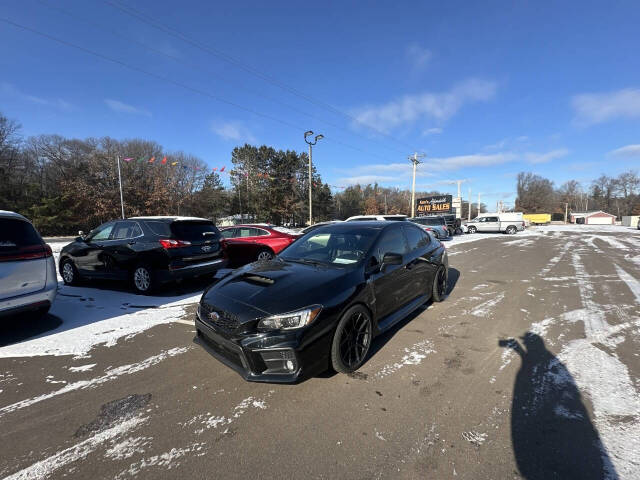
{"x":529,"y":369}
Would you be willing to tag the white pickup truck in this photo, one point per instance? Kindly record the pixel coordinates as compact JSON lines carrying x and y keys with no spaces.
{"x":510,"y":223}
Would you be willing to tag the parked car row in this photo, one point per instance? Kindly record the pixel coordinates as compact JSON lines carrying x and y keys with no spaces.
{"x":315,"y":302}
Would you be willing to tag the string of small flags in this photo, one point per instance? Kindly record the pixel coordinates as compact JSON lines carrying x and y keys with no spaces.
{"x":166,"y":161}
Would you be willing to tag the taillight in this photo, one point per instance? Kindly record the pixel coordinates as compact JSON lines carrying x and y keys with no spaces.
{"x":168,"y":243}
{"x":28,"y":253}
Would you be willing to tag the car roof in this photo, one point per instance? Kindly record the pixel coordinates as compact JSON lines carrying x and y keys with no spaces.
{"x":253,"y":225}
{"x":353,"y":226}
{"x":17,"y":216}
{"x":171,"y":219}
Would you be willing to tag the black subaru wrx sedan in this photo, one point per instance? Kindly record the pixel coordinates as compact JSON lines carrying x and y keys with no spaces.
{"x":321,"y":301}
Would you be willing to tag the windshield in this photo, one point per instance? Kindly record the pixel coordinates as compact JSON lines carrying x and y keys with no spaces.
{"x":334,"y":248}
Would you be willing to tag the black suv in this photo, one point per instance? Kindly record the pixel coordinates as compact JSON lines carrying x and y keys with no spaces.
{"x":148,"y":251}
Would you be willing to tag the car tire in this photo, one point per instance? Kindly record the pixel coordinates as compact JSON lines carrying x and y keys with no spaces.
{"x":142,"y":278}
{"x":472,"y":229}
{"x":265,"y":254}
{"x":354,"y":325}
{"x":440,"y":284}
{"x":511,"y":230}
{"x":69,"y":272}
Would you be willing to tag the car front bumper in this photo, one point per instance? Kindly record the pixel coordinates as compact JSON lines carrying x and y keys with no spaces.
{"x":277,"y":357}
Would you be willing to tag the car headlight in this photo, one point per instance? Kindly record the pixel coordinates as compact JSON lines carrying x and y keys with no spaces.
{"x":291,"y":320}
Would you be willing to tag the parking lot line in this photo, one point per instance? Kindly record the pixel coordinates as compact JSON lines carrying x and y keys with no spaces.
{"x":185,"y":322}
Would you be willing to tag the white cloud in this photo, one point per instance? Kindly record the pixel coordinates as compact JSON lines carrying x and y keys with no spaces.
{"x":9,"y":90}
{"x":235,"y":131}
{"x":418,"y":56}
{"x":533,"y":157}
{"x":432,"y":131}
{"x":594,"y":108}
{"x":411,"y":108}
{"x":121,"y":107}
{"x":627,"y":151}
{"x":470,"y":161}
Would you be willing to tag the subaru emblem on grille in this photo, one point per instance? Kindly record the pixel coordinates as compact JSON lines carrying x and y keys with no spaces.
{"x":214,"y":316}
{"x":206,"y":248}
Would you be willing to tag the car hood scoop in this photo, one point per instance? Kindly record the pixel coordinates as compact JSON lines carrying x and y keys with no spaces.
{"x":255,"y":278}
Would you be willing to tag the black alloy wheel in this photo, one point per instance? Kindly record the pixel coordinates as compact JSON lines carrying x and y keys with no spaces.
{"x":440,"y":284}
{"x":352,"y":340}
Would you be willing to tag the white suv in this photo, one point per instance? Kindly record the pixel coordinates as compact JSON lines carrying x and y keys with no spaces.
{"x":28,"y":279}
{"x":364,"y":218}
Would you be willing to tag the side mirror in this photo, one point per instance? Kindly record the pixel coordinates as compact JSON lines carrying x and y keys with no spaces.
{"x":80,"y":233}
{"x":391,"y":259}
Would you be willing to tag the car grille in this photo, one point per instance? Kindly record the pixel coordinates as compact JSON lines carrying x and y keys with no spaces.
{"x":225,"y":321}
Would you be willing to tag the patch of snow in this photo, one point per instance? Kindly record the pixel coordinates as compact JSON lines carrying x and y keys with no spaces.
{"x":109,"y":375}
{"x":45,"y":468}
{"x":83,"y":368}
{"x":127,"y":448}
{"x":485,"y":308}
{"x":476,"y":438}
{"x":94,"y":317}
{"x":380,"y":437}
{"x":480,"y":286}
{"x":413,"y":356}
{"x":166,"y":460}
{"x":632,"y":283}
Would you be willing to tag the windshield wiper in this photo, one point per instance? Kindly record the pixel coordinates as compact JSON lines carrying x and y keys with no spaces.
{"x":306,"y":261}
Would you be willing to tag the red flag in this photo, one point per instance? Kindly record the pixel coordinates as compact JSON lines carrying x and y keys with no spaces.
{"x":214,"y":169}
{"x":152,"y":159}
{"x":222,"y":169}
{"x":164,"y":160}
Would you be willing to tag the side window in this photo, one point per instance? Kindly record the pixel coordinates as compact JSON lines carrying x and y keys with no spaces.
{"x":493,"y":219}
{"x":124,"y":230}
{"x":416,"y":238}
{"x":102,"y":232}
{"x":136,"y":231}
{"x":392,"y":241}
{"x":228,"y":233}
{"x":258,"y":232}
{"x":244,"y":232}
{"x":159,"y":228}
{"x":482,"y":219}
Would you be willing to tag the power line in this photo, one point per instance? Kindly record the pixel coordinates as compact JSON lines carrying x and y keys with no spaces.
{"x":176,"y":83}
{"x":205,"y":70}
{"x":239,"y":64}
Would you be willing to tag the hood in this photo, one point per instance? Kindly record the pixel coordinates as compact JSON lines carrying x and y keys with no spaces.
{"x":272,"y":287}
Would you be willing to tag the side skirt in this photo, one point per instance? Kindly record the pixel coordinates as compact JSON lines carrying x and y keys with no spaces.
{"x":390,"y":320}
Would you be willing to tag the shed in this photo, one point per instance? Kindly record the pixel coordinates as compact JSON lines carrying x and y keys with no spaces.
{"x":630,"y":221}
{"x":597,"y":217}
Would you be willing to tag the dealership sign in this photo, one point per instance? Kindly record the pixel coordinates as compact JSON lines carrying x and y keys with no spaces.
{"x":433,"y":205}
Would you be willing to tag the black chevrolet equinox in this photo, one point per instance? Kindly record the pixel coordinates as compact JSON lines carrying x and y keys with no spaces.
{"x":147,"y":251}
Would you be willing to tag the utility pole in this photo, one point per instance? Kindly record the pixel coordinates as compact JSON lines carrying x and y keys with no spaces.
{"x":566,"y":211}
{"x":311,"y":144}
{"x":385,"y":203}
{"x":415,"y":159}
{"x":469,"y":204}
{"x":120,"y":183}
{"x":478,"y":203}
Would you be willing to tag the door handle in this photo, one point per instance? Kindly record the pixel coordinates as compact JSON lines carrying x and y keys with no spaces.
{"x":132,"y":242}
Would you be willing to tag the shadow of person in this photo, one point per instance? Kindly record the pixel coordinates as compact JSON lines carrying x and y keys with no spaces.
{"x":551,"y":433}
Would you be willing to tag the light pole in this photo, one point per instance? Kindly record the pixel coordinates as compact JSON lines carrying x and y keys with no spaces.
{"x":415,"y":159}
{"x":120,"y":183}
{"x":311,"y":144}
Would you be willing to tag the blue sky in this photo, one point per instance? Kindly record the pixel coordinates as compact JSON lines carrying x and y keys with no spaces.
{"x":485,"y":89}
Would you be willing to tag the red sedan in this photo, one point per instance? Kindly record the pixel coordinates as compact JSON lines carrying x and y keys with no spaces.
{"x":246,"y":243}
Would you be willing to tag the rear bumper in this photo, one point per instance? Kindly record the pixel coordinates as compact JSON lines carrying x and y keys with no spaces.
{"x":264,"y":359}
{"x":29,"y":302}
{"x":190,"y":271}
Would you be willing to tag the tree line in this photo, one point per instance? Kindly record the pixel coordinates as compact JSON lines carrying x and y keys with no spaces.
{"x":65,"y":184}
{"x":619,"y":195}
